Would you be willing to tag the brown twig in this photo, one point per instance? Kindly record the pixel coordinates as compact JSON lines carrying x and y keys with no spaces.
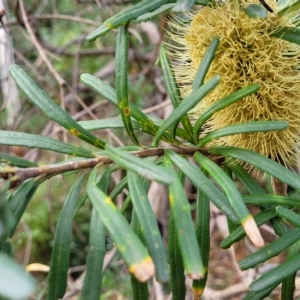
{"x":18,"y":175}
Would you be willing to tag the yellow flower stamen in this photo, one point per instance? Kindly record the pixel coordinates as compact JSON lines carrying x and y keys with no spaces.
{"x":247,"y":54}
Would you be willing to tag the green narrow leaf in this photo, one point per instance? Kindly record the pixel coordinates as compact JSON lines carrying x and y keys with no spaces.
{"x":113,"y":123}
{"x":289,"y":215}
{"x":205,"y":63}
{"x":94,"y":262}
{"x":256,"y":11}
{"x":139,"y":289}
{"x":151,"y":15}
{"x":245,"y":178}
{"x":59,"y":266}
{"x":288,"y":287}
{"x":100,"y":87}
{"x":221,"y":104}
{"x":234,"y":197}
{"x":93,"y":177}
{"x":143,"y":167}
{"x":16,"y":161}
{"x":6,"y":215}
{"x":271,"y":199}
{"x":125,"y":16}
{"x":260,"y":162}
{"x":50,"y":108}
{"x":173,"y":89}
{"x":122,"y":80}
{"x":130,"y":247}
{"x":186,"y":105}
{"x":125,"y":205}
{"x":254,"y":188}
{"x":276,"y":275}
{"x":291,"y":7}
{"x":183,"y":5}
{"x":19,"y":201}
{"x":254,"y":126}
{"x":289,"y":284}
{"x":202,"y":228}
{"x":270,"y":250}
{"x":290,"y":34}
{"x":15,"y":282}
{"x":10,"y":138}
{"x":104,"y":180}
{"x":148,"y":226}
{"x":180,"y":210}
{"x":176,"y":263}
{"x":261,"y":218}
{"x":203,"y":184}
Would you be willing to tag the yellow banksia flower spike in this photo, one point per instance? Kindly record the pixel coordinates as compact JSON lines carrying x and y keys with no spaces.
{"x":247,"y":54}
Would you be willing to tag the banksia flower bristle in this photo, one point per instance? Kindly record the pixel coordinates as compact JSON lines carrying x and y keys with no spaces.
{"x":247,"y":54}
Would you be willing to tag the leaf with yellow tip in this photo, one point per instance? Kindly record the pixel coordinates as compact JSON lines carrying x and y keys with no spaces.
{"x":238,"y":233}
{"x":130,"y":247}
{"x":252,"y":231}
{"x":234,"y":197}
{"x":148,"y":225}
{"x":259,"y":194}
{"x":143,"y":270}
{"x":180,"y":210}
{"x":139,"y":289}
{"x":204,"y":184}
